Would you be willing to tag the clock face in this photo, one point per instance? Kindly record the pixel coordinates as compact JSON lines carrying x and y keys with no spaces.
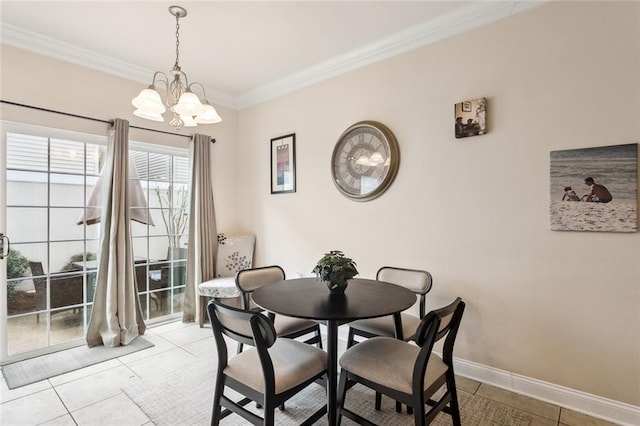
{"x":365,"y":160}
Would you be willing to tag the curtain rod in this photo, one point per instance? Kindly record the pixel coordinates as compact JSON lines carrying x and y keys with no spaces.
{"x":94,"y":119}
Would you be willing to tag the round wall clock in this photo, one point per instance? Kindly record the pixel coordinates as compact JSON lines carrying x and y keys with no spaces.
{"x":365,"y":160}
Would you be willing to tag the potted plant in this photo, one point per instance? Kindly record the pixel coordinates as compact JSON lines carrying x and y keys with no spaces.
{"x":335,"y":269}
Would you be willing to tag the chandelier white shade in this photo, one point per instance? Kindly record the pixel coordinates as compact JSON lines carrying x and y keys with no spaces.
{"x":187,"y":109}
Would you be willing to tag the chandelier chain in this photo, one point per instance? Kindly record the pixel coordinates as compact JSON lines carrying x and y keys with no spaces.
{"x":176,"y":66}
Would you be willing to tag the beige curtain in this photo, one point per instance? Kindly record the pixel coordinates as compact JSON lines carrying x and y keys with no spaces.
{"x":203,"y":235}
{"x":116,"y":317}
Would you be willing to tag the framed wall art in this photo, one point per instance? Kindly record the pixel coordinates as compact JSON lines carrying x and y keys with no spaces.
{"x":594,"y":189}
{"x":283,"y":164}
{"x":470,"y":118}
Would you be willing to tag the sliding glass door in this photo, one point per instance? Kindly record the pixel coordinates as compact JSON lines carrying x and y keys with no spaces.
{"x":48,"y":185}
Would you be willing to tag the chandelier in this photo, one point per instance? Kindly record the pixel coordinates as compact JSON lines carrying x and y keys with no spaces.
{"x":187,"y":108}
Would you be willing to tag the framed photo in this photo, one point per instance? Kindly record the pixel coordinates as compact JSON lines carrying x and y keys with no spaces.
{"x":470,"y":118}
{"x":283,"y":164}
{"x":594,"y":189}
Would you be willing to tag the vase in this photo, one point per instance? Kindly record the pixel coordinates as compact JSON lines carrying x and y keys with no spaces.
{"x":337,"y":287}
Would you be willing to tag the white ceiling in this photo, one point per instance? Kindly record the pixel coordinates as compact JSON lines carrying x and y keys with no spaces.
{"x":243,"y":52}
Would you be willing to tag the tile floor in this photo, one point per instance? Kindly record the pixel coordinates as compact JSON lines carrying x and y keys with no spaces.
{"x":79,"y":397}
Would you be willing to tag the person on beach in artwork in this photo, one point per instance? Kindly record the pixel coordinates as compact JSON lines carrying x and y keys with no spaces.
{"x":570,"y":194}
{"x":599,"y":193}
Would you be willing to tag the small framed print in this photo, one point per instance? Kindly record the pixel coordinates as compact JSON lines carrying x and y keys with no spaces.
{"x":470,"y":118}
{"x":283,"y":164}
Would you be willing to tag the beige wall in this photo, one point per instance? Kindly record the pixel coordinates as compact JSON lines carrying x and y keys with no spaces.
{"x":561,"y":307}
{"x":40,"y":81}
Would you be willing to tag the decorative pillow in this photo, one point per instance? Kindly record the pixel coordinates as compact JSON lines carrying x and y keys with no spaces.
{"x":235,"y":252}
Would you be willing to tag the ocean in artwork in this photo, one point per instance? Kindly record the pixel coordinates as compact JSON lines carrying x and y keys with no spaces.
{"x":615,"y":167}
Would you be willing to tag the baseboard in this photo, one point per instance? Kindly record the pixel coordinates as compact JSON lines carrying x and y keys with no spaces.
{"x":582,"y":402}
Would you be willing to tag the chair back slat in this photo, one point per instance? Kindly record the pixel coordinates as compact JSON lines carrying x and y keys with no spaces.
{"x":448,"y":320}
{"x":418,"y":281}
{"x":249,"y":280}
{"x":437,"y":324}
{"x":237,"y":324}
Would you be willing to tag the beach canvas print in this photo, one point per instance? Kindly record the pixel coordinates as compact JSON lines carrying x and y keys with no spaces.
{"x":595,"y":189}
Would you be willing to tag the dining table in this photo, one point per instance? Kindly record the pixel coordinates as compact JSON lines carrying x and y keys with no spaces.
{"x":309,"y":298}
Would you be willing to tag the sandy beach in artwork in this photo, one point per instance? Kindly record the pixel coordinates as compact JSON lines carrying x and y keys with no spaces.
{"x":616,"y":216}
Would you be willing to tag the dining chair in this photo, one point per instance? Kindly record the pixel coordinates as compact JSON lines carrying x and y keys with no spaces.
{"x":407,"y":372}
{"x":235,"y":252}
{"x":269,"y":373}
{"x":248,"y":280}
{"x":418,"y":281}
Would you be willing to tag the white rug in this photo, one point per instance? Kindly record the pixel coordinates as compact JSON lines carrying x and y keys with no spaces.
{"x":43,"y":367}
{"x":184,"y":397}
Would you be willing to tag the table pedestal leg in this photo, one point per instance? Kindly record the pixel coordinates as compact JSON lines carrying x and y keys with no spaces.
{"x":332,"y":371}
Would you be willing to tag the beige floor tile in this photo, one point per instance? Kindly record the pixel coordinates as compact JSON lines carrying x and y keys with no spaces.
{"x":186,"y":335}
{"x":65,"y":420}
{"x":117,"y":410}
{"x":160,"y":344}
{"x":84,"y":372}
{"x":95,"y":388}
{"x":573,"y":418}
{"x":541,"y":421}
{"x":7,"y":394}
{"x":524,"y":403}
{"x":168,"y":326}
{"x":161,"y":363}
{"x":204,"y":348}
{"x":33,"y":409}
{"x":467,"y":385}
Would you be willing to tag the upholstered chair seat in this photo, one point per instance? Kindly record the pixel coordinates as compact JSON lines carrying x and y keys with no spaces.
{"x":235,"y":252}
{"x":248,"y":280}
{"x":408,"y":372}
{"x":385,"y":326}
{"x":287,"y":326}
{"x":271,"y":371}
{"x":293,"y":364}
{"x":397,"y":371}
{"x":219,"y":288}
{"x":418,"y":281}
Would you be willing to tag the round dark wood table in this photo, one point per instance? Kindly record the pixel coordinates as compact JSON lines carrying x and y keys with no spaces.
{"x":309,"y":298}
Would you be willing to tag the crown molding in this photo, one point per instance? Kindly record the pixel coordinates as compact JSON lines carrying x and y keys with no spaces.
{"x":459,"y":21}
{"x":476,"y":14}
{"x":47,"y":46}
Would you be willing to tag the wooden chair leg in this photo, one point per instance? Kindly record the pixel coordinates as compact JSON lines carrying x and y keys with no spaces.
{"x":319,"y":336}
{"x":351,"y":339}
{"x":455,"y":408}
{"x":419,"y":416}
{"x":342,"y":392}
{"x":215,"y":414}
{"x":378,"y":401}
{"x":203,"y":310}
